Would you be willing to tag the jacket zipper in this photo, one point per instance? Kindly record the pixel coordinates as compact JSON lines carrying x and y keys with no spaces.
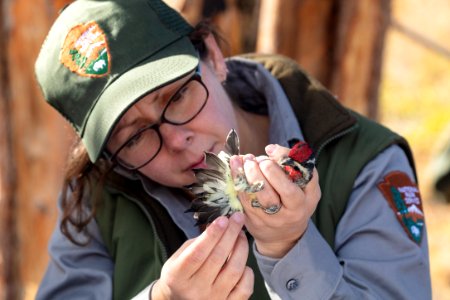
{"x":334,"y":137}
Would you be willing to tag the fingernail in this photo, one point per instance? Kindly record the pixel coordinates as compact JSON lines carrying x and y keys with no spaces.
{"x":249,"y":157}
{"x":270,"y":149}
{"x":261,"y":158}
{"x":238,"y":217}
{"x":222,"y":222}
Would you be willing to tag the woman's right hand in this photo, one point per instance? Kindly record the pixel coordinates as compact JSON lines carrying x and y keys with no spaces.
{"x":211,"y":266}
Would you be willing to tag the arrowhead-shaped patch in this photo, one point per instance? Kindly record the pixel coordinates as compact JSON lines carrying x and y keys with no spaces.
{"x":403,"y":197}
{"x":85,"y":51}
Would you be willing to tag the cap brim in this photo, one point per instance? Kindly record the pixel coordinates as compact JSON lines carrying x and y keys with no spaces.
{"x":166,"y":66}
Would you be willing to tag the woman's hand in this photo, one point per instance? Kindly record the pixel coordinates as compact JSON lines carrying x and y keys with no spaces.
{"x":275,"y":234}
{"x":211,"y":266}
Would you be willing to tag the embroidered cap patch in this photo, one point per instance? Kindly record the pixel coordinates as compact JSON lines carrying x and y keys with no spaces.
{"x":85,"y":51}
{"x":404,"y":198}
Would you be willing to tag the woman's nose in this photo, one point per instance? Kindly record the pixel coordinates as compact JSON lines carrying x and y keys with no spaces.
{"x":175,"y":137}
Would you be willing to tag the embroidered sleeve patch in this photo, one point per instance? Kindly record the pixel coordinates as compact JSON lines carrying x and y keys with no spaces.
{"x":85,"y":51}
{"x":403,"y":197}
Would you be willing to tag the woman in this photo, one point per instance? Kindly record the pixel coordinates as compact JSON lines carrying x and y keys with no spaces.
{"x":127,"y":75}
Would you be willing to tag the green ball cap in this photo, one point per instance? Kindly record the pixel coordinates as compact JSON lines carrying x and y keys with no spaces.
{"x":100,"y":57}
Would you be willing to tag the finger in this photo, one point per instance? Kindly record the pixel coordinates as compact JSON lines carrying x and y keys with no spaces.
{"x":237,"y":171}
{"x":313,"y":186}
{"x":244,"y":288}
{"x":194,"y":255}
{"x":277,"y":152}
{"x":267,"y":197}
{"x":236,"y":166}
{"x":312,"y":190}
{"x":219,"y":255}
{"x":262,"y":158}
{"x":290,"y":194}
{"x":234,"y":267}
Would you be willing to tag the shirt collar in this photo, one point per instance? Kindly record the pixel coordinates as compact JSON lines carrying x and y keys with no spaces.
{"x":283,"y":122}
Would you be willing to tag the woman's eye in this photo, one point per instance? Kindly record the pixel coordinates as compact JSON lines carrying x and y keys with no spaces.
{"x":180,"y":95}
{"x":134,"y":140}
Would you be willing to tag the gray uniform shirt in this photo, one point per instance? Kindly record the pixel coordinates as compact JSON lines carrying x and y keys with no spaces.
{"x":373,"y":257}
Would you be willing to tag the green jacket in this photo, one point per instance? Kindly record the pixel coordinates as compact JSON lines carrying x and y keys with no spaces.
{"x":140,"y":235}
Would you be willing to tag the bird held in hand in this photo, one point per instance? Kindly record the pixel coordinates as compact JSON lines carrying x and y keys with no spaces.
{"x":216,"y":192}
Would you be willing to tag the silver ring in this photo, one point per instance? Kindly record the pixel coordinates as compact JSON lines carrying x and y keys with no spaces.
{"x":271,"y":210}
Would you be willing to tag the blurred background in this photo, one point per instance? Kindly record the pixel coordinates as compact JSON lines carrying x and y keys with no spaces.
{"x":387,"y":59}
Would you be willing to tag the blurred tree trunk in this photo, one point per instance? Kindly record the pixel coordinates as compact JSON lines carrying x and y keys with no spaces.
{"x":237,"y":20}
{"x":357,"y":59}
{"x":338,"y":42}
{"x":33,"y":147}
{"x":9,"y":286}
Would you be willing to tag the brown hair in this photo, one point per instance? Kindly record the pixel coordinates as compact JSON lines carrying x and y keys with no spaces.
{"x":80,"y":170}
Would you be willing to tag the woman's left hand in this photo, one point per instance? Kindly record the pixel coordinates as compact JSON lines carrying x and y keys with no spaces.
{"x":275,"y":234}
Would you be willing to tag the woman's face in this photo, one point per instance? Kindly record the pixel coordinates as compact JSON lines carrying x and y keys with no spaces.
{"x":183,"y":146}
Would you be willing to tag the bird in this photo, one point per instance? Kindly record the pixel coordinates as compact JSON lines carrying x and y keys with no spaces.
{"x":299,"y":163}
{"x":215,"y":191}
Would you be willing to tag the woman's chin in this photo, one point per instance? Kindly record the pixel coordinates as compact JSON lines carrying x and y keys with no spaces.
{"x":190,"y":178}
{"x":186,"y":179}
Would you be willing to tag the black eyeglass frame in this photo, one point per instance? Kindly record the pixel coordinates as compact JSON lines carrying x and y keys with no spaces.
{"x":162,"y":119}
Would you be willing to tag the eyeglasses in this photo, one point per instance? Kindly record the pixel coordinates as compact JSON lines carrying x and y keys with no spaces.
{"x":183,"y":106}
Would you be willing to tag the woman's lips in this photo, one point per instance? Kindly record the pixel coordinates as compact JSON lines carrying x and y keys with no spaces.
{"x":201,"y":161}
{"x":199,"y":164}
